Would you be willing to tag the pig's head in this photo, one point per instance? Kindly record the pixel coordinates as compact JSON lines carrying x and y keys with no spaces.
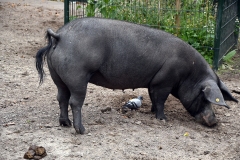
{"x":209,"y":92}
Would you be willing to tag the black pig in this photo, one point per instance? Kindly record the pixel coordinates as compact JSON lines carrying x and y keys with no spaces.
{"x":122,"y":55}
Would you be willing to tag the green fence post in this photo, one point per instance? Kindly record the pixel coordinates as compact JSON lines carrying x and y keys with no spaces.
{"x":66,"y":11}
{"x":217,"y":35}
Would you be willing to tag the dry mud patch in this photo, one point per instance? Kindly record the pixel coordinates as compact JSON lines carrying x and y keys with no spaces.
{"x":29,"y":113}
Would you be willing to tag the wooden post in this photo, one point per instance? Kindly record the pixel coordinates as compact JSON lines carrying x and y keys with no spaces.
{"x":177,"y":17}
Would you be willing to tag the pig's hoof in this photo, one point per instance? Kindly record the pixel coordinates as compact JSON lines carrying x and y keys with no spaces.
{"x":162,"y":120}
{"x":161,"y":117}
{"x":80,"y":130}
{"x":65,"y":122}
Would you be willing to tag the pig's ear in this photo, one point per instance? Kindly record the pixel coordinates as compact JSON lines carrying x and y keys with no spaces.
{"x":213,"y":94}
{"x":225,"y":92}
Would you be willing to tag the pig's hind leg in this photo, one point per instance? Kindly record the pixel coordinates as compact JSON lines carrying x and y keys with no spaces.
{"x":78,"y":93}
{"x":63,"y":97}
{"x":78,"y":87}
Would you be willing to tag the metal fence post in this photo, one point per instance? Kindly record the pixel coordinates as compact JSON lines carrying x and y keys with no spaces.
{"x":66,"y":11}
{"x":217,"y":34}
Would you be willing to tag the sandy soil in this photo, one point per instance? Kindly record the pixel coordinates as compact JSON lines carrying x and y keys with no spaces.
{"x":29,"y":114}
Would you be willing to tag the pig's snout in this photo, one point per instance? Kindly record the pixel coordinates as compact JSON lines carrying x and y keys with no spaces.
{"x":206,"y":117}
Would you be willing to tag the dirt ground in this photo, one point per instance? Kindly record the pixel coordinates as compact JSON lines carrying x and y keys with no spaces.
{"x":29,"y":113}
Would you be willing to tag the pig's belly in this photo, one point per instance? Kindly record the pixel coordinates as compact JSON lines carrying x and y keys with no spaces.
{"x":119,"y":81}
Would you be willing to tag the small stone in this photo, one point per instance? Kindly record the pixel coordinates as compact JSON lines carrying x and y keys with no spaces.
{"x":160,"y":147}
{"x":25,"y":73}
{"x":89,"y":134}
{"x":17,"y":131}
{"x":138,"y":122}
{"x":47,"y":126}
{"x":143,"y":153}
{"x":227,"y":114}
{"x":108,"y":109}
{"x":25,"y":98}
{"x":100,"y":121}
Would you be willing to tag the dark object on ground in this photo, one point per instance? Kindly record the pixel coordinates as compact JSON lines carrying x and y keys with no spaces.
{"x":238,"y":92}
{"x":35,"y":152}
{"x":108,"y":109}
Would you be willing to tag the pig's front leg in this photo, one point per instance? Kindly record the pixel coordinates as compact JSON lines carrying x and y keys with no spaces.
{"x":158,"y":97}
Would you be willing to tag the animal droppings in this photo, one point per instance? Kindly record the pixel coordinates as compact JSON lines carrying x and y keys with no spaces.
{"x":35,"y":152}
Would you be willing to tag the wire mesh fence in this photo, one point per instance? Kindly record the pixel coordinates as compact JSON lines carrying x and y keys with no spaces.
{"x":227,"y":28}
